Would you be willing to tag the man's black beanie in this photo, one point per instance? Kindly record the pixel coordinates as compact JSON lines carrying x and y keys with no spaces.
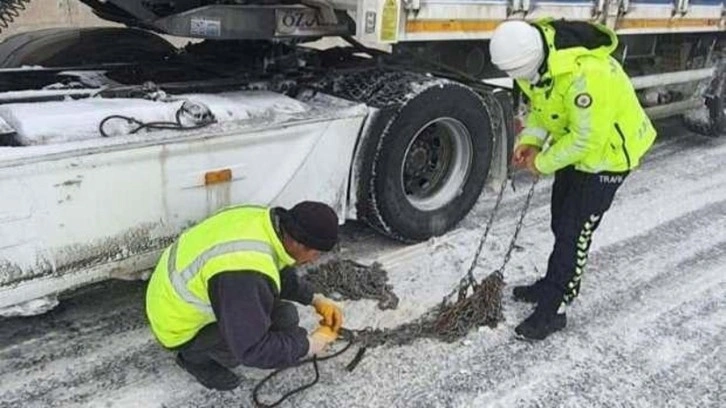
{"x":312,"y":224}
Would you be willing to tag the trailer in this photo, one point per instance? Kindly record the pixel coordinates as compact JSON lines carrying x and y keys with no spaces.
{"x":113,"y":140}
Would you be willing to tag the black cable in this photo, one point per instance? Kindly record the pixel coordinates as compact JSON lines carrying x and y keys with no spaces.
{"x":356,"y":360}
{"x":347,"y":335}
{"x":154,"y":125}
{"x":256,"y":390}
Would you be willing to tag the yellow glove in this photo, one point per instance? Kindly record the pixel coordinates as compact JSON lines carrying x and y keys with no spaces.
{"x":332,"y":314}
{"x":320,"y":339}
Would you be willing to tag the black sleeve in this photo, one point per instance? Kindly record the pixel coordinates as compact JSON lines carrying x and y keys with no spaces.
{"x":242,"y":303}
{"x":295,"y":288}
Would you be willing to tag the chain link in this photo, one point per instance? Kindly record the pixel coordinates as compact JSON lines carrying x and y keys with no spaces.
{"x":342,"y":278}
{"x":477,"y":303}
{"x":518,"y":228}
{"x":446,"y":322}
{"x":482,"y":240}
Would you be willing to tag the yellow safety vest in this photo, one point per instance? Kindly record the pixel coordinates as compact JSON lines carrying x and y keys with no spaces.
{"x":586,"y":107}
{"x":234,"y":239}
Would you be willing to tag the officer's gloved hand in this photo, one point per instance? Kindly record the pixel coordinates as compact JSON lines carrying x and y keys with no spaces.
{"x":523,"y":153}
{"x":332,"y":314}
{"x":320,"y":339}
{"x":531,"y":166}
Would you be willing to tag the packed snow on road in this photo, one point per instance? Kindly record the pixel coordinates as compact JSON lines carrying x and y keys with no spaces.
{"x":647,"y":330}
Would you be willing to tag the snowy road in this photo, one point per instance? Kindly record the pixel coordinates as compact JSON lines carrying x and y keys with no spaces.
{"x":648,"y":330}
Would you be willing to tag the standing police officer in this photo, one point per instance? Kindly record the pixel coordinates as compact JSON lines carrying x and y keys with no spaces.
{"x":586,"y":126}
{"x":216,"y":295}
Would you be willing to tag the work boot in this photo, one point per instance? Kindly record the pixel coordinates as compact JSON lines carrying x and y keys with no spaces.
{"x":528,"y":293}
{"x":541,"y":324}
{"x":210,"y":374}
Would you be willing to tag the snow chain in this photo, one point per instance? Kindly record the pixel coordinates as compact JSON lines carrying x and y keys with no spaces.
{"x":10,"y":10}
{"x":447,"y":322}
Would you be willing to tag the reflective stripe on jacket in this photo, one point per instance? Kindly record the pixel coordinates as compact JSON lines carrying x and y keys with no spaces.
{"x":235,"y":239}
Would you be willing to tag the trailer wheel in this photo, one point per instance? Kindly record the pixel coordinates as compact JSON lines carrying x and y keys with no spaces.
{"x":710,"y":119}
{"x":427,"y":165}
{"x":58,"y":47}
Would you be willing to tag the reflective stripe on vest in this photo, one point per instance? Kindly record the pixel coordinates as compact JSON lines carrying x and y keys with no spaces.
{"x":180,"y":280}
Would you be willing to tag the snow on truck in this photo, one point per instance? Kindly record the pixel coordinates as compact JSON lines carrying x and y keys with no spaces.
{"x":112,"y":140}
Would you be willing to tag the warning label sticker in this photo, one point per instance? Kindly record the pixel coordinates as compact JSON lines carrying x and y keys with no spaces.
{"x":389,"y":21}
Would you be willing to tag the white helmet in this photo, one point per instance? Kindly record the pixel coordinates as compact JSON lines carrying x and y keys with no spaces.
{"x":516,"y":48}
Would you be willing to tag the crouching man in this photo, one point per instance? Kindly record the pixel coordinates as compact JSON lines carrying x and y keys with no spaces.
{"x":217,"y":296}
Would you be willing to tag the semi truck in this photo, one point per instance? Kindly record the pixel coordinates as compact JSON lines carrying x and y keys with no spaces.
{"x":113,"y":140}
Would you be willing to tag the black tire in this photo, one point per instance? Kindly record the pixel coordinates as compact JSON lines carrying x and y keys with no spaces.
{"x":59,"y":47}
{"x":710,"y":120}
{"x":383,"y":200}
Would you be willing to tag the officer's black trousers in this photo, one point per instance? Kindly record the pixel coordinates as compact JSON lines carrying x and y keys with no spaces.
{"x":579,"y":201}
{"x":209,"y":344}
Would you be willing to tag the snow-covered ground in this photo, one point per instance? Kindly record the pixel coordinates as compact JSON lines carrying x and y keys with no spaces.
{"x":648,"y":329}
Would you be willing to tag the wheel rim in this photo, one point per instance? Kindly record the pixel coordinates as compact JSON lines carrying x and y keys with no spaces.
{"x":436,"y":164}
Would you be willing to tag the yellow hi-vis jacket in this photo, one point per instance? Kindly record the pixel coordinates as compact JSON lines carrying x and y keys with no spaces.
{"x":234,"y":239}
{"x":584,"y":104}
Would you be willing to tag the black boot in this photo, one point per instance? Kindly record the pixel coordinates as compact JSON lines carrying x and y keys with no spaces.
{"x":528,"y":293}
{"x":541,"y":324}
{"x":210,"y":374}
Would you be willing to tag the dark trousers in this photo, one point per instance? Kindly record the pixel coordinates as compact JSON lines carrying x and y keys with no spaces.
{"x":579,"y":201}
{"x":209,"y":343}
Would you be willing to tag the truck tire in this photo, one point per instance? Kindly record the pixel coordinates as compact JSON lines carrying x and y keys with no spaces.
{"x":59,"y":47}
{"x":710,"y":120}
{"x":426,"y":159}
